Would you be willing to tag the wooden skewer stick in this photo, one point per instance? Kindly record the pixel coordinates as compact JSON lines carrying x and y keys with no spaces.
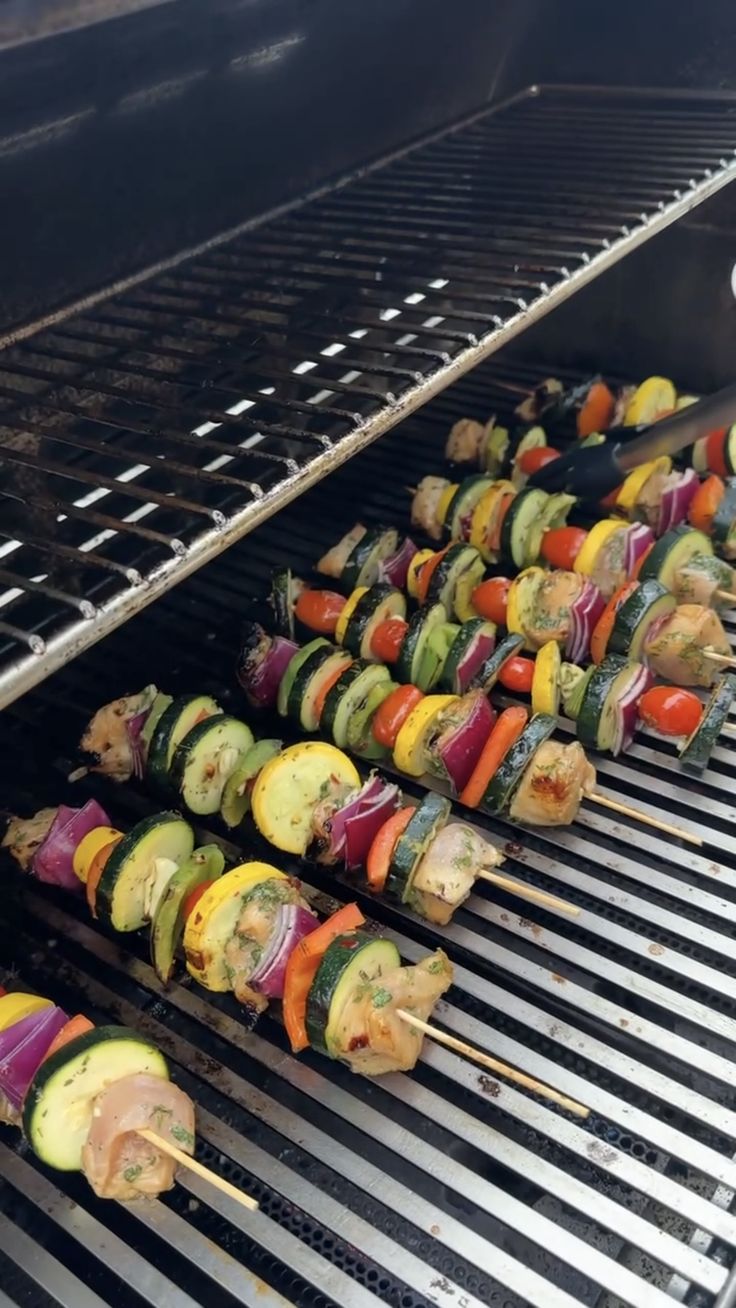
{"x":726,"y":595}
{"x":411,"y":489}
{"x":199,"y":1169}
{"x":643,"y":817}
{"x":726,"y":660}
{"x":493,"y":1064}
{"x":531,"y":893}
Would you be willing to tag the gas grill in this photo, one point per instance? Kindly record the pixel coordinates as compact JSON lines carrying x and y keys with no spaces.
{"x":217,"y":416}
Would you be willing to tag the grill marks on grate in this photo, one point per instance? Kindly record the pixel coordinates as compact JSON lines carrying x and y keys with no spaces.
{"x":139,"y":436}
{"x":447,"y":1177}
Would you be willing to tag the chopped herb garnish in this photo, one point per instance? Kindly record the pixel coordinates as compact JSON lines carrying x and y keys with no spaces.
{"x":381,"y":997}
{"x":131,"y":1174}
{"x":181,"y":1134}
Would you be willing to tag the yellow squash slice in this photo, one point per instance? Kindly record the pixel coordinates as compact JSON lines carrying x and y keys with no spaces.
{"x":213,"y":921}
{"x":410,"y":748}
{"x":289,"y":787}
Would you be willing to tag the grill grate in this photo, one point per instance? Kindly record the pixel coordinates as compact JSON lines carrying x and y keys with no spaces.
{"x":445,"y":1187}
{"x":143,"y":433}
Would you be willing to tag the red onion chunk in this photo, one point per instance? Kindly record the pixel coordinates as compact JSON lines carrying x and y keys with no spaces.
{"x":637,"y":541}
{"x":627,"y":710}
{"x":263,"y":664}
{"x":134,"y":726}
{"x":461,"y":745}
{"x":23,"y":1048}
{"x":395,"y":569}
{"x":52,"y":861}
{"x":356,"y":804}
{"x":362,"y":828}
{"x":676,"y":499}
{"x":584,"y":614}
{"x":479,"y":649}
{"x":293,"y":923}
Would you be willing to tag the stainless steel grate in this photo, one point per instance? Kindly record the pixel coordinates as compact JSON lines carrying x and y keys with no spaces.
{"x":446,"y":1187}
{"x":142,"y":433}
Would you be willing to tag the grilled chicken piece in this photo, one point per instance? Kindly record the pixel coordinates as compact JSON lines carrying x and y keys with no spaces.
{"x":106,"y":737}
{"x":119,"y":1163}
{"x":255,"y":926}
{"x":609,"y":573}
{"x":9,"y":1114}
{"x":332,"y":564}
{"x":24,"y":835}
{"x":553,"y":786}
{"x":425,"y":504}
{"x":698,"y":581}
{"x":370,"y":1035}
{"x":550,"y":618}
{"x":649,"y":504}
{"x":447,"y":872}
{"x":624,"y":396}
{"x":464,"y":441}
{"x":676,"y":651}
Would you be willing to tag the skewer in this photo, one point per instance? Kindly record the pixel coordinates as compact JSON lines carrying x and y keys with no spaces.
{"x":411,"y":489}
{"x":199,"y":1169}
{"x":531,"y":893}
{"x":643,"y":817}
{"x":726,"y":595}
{"x":493,"y":1064}
{"x":726,"y":660}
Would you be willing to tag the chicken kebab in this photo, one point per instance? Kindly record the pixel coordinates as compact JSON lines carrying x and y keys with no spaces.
{"x":250,"y":931}
{"x":82,"y":1095}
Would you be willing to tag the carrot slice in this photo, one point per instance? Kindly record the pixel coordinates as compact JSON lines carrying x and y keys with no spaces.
{"x":507,"y":730}
{"x":597,"y":411}
{"x":426,"y":574}
{"x":76,"y":1026}
{"x":640,"y":562}
{"x":704,"y":504}
{"x":94,"y":873}
{"x":384,"y":842}
{"x":324,"y":690}
{"x":493,"y":537}
{"x":301,"y":970}
{"x":604,"y":626}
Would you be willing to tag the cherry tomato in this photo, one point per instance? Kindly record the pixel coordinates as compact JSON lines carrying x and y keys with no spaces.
{"x":715,"y":452}
{"x":532,"y":460}
{"x":597,"y":411}
{"x":561,"y":547}
{"x":704,"y":504}
{"x":490,"y":599}
{"x":517,"y":674}
{"x":670,"y":710}
{"x":392,"y":714}
{"x":610,"y":501}
{"x":388,"y":638}
{"x":194,"y":896}
{"x":319,"y":610}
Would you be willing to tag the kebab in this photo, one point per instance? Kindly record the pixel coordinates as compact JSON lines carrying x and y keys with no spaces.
{"x":509,"y":767}
{"x":344,"y":989}
{"x":96,"y":1100}
{"x":324,"y":789}
{"x":641,"y":625}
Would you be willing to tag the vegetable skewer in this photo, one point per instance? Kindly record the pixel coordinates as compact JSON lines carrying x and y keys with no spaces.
{"x":343,"y":991}
{"x":88,"y":1097}
{"x":535,"y":780}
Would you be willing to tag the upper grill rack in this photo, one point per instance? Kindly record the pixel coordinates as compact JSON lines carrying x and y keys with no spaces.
{"x":144,"y":432}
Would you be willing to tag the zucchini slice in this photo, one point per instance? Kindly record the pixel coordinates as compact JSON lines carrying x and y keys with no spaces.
{"x":494,"y":448}
{"x":462,"y":504}
{"x":458,"y":560}
{"x":174,"y":723}
{"x":214,"y":920}
{"x":535,"y":438}
{"x":296,"y":662}
{"x":417,"y":663}
{"x":206,"y":757}
{"x":649,"y":602}
{"x":289,"y":787}
{"x":671,"y":552}
{"x":167,"y":928}
{"x":282,"y":600}
{"x":139,"y":867}
{"x":521,"y":531}
{"x":361,"y":740}
{"x":364,"y":560}
{"x":502,"y":785}
{"x":573,"y":685}
{"x":57,"y":1113}
{"x":488,"y":673}
{"x":320,"y":667}
{"x":158,"y":708}
{"x":598,"y":714}
{"x":425,"y":822}
{"x":349,"y":962}
{"x":375,"y":606}
{"x":237,"y":789}
{"x":697,"y":749}
{"x":348,"y":696}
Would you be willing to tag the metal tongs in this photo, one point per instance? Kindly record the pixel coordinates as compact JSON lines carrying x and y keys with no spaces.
{"x":593,"y":472}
